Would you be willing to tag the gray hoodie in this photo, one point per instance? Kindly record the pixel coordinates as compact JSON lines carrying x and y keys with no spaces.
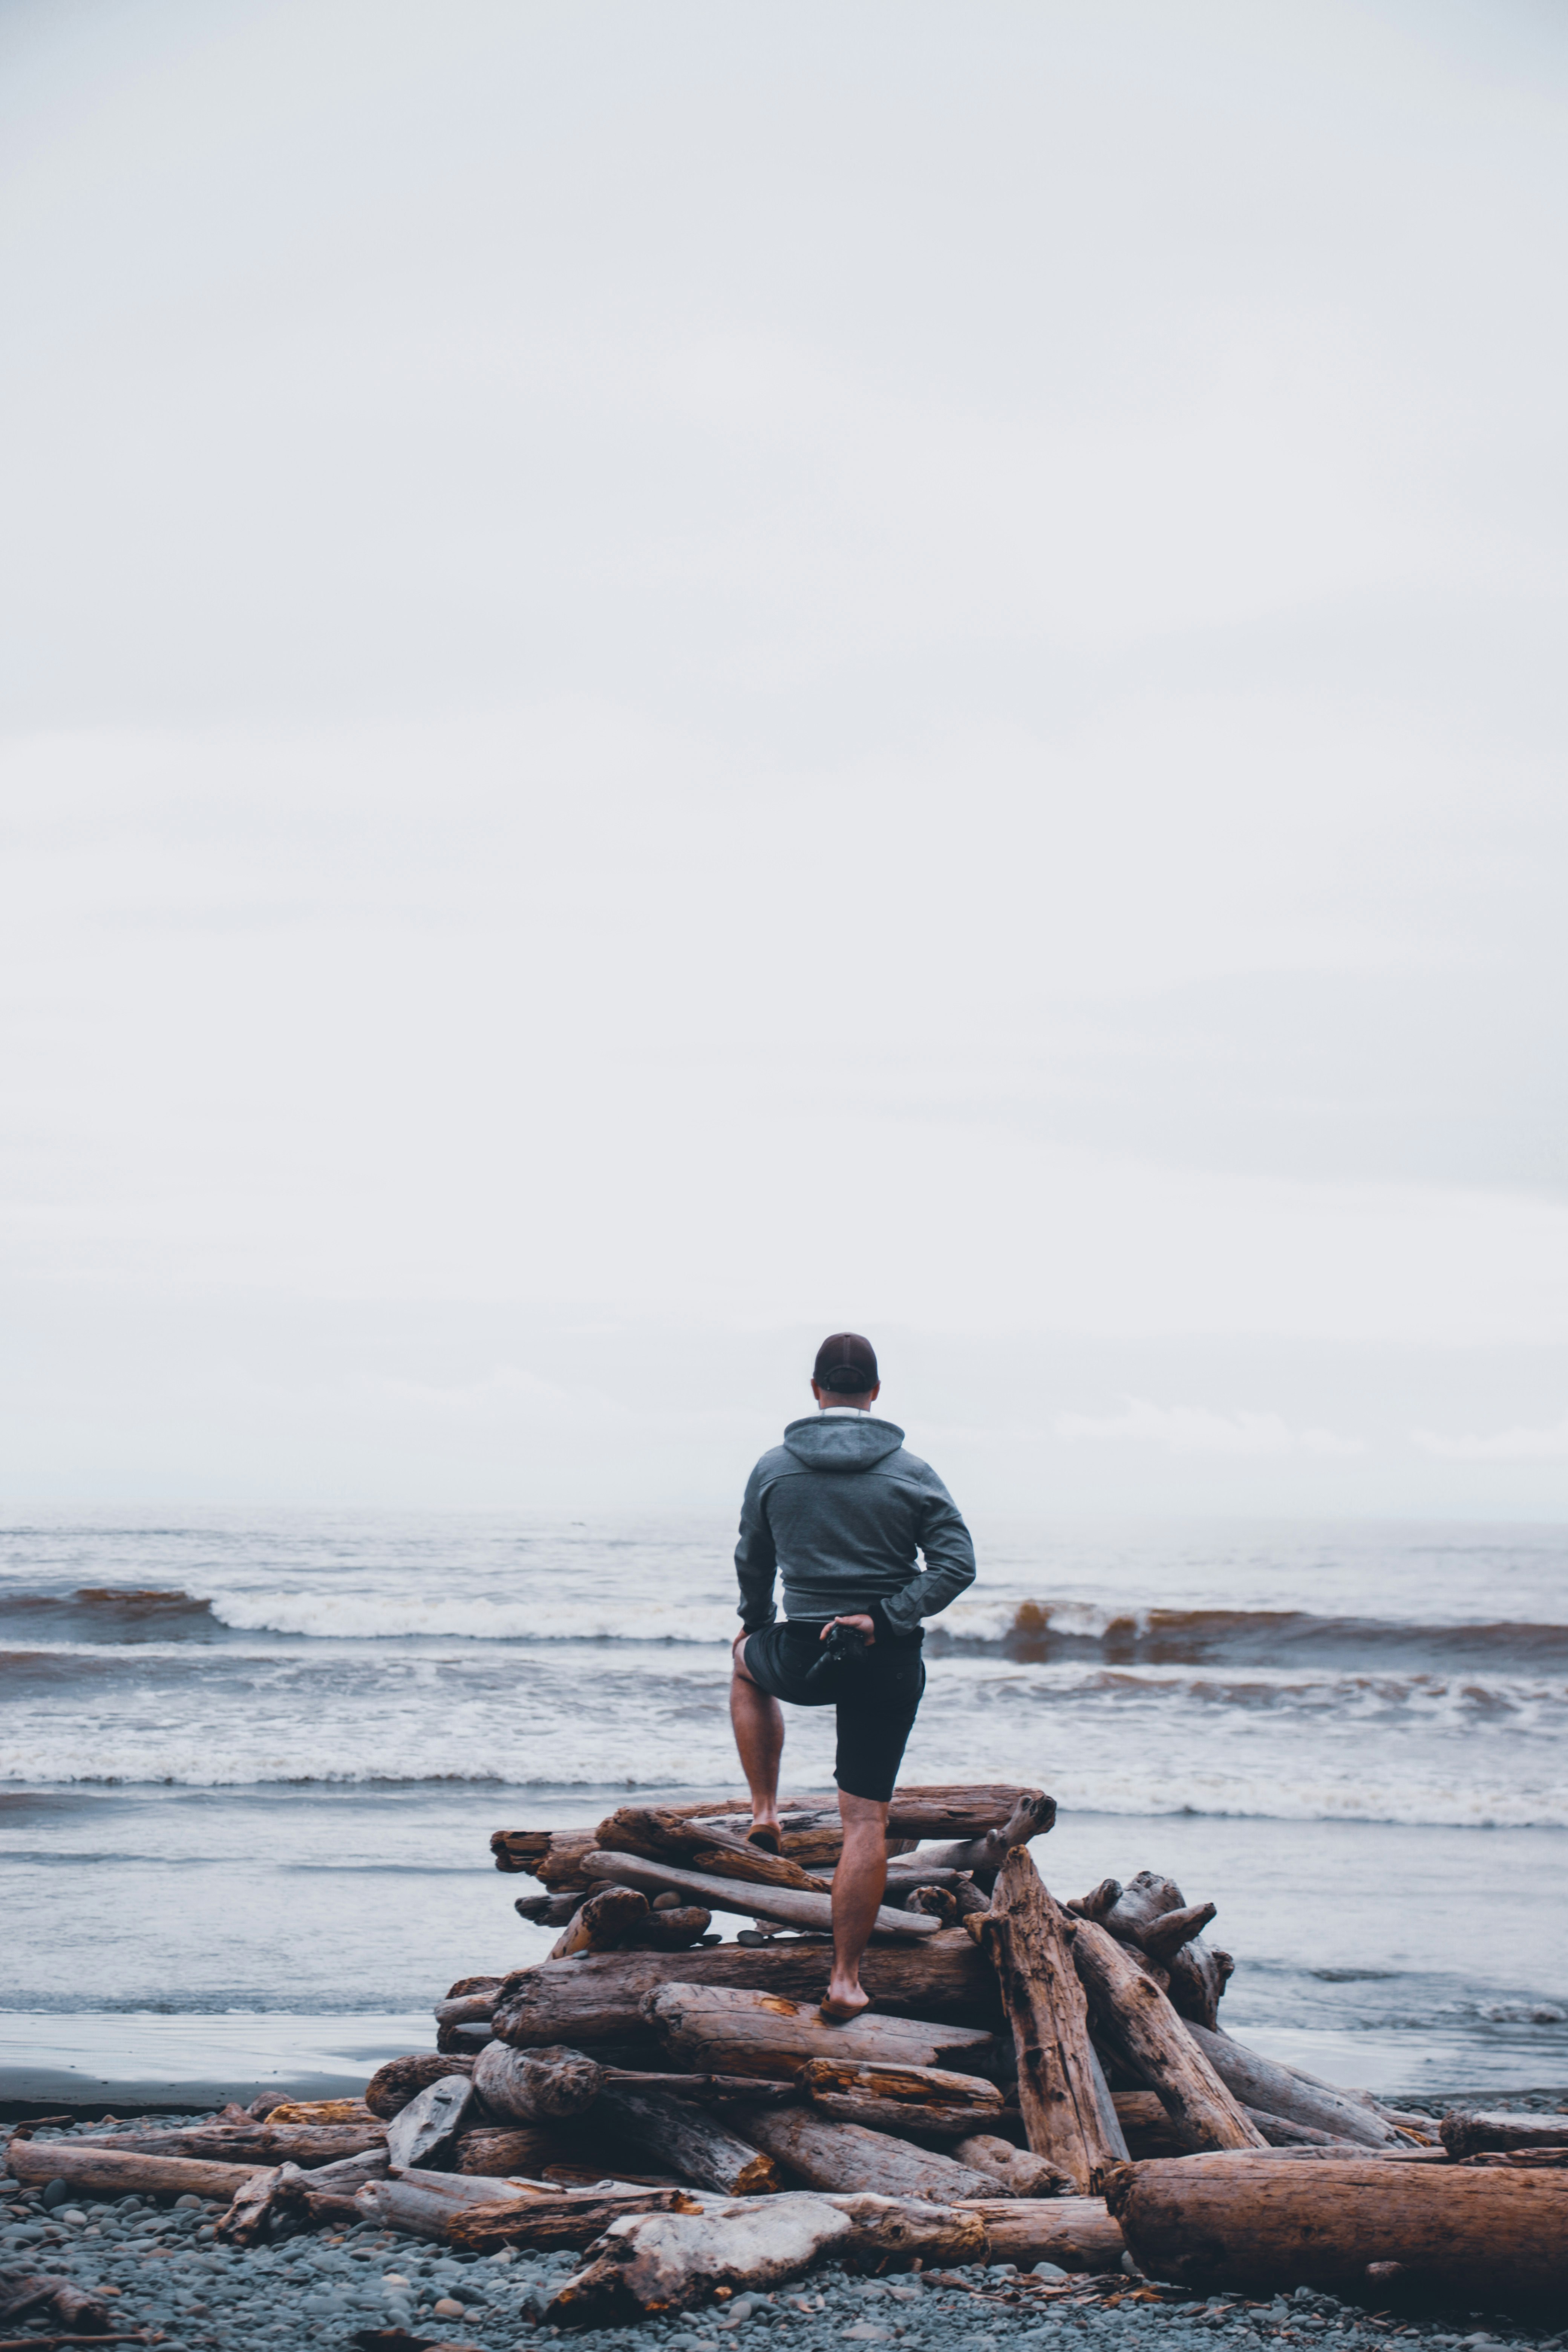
{"x":842,"y":1510}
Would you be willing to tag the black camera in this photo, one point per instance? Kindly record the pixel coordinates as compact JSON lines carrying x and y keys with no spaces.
{"x":843,"y":1649}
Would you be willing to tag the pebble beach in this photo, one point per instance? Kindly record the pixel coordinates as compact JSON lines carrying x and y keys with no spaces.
{"x":172,"y":2282}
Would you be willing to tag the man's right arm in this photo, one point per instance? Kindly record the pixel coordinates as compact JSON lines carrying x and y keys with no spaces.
{"x":756,"y":1560}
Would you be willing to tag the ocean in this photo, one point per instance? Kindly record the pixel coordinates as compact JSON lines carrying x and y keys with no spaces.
{"x":250,"y":1765}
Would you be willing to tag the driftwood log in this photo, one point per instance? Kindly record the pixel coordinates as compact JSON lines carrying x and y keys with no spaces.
{"x":262,"y":2143}
{"x":602,"y":1923}
{"x":846,"y":2158}
{"x":495,"y":2151}
{"x":922,"y":2102}
{"x":746,"y":2032}
{"x":433,"y":2204}
{"x":120,"y":2172}
{"x":1134,"y":2016}
{"x":1068,"y":2117}
{"x":1469,"y":2132}
{"x":687,"y":2140}
{"x":1151,"y":1913}
{"x":1224,"y":2221}
{"x":1031,"y":1816}
{"x":425,"y":2131}
{"x":1274,"y":2090}
{"x":658,"y":1835}
{"x":1151,"y":2132}
{"x":671,"y":2261}
{"x":788,"y":1904}
{"x":536,"y":2086}
{"x":392,"y":2086}
{"x":553,"y":1856}
{"x":1016,"y":2172}
{"x":599,"y":1997}
{"x":672,"y":1930}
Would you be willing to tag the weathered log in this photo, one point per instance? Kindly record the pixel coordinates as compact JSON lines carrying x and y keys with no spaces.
{"x":470,"y":2008}
{"x":706,"y":2090}
{"x":603,"y":1923}
{"x":1032,"y":1814}
{"x":598,"y":1998}
{"x":553,"y":1856}
{"x":1223,"y":2221}
{"x":119,"y":2170}
{"x":549,"y":1910}
{"x":570,"y":2221}
{"x":536,"y":2086}
{"x":392,"y":2086}
{"x":268,"y":2144}
{"x":1274,"y":2090}
{"x":429,"y":2205}
{"x":316,"y":2113}
{"x":920,"y":2102}
{"x":1153,"y":1913}
{"x":1016,"y":2170}
{"x":249,"y":2219}
{"x":498,"y":2149}
{"x":1134,"y":2016}
{"x":786,"y":1904}
{"x":959,"y":1811}
{"x":668,"y":2262}
{"x":746,"y":2032}
{"x":1467,"y":2131}
{"x":1150,"y":2131}
{"x":1078,"y":2233}
{"x":675,"y":1930}
{"x":847,"y":2157}
{"x":1067,"y":2114}
{"x":686,"y":2140}
{"x":659,"y":1835}
{"x":424,"y":2132}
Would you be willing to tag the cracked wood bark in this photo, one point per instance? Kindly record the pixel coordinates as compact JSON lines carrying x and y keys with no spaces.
{"x":924,"y":2102}
{"x":431,"y":2204}
{"x":599,"y":1997}
{"x":847,"y":2157}
{"x":260,"y":2144}
{"x":1134,"y":2016}
{"x":747,"y":2032}
{"x":1068,"y":2118}
{"x":1225,"y":2222}
{"x":1016,"y":2172}
{"x":536,"y":2086}
{"x":787,"y":1905}
{"x":119,"y":2170}
{"x":601,"y":1924}
{"x":686,"y":2140}
{"x":1079,"y":2232}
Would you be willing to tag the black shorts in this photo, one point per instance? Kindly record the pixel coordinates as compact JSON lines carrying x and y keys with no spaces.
{"x":877,"y":1701}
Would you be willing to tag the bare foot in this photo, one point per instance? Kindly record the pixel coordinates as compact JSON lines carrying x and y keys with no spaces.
{"x":840,"y":2009}
{"x":764,"y":1835}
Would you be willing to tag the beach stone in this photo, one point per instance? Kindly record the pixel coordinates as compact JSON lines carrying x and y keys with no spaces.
{"x":1048,"y":2270}
{"x":446,"y":2306}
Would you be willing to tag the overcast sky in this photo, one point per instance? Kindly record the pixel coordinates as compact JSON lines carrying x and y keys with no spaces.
{"x":678,"y":675}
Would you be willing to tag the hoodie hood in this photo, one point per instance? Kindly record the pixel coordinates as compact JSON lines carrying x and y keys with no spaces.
{"x":835,"y":1443}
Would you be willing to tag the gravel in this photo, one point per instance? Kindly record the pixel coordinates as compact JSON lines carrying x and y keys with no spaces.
{"x":319,"y":2291}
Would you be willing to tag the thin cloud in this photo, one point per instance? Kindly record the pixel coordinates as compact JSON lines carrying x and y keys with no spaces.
{"x":1549,"y":1444}
{"x":1193,"y":1429}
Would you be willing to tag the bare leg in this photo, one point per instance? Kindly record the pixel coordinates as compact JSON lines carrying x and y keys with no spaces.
{"x":858,"y":1883}
{"x":758,"y":1727}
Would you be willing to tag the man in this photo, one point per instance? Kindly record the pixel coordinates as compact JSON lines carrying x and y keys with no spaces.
{"x":842,"y":1510}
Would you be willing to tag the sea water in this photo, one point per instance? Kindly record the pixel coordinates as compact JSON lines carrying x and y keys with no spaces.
{"x":249,"y":1766}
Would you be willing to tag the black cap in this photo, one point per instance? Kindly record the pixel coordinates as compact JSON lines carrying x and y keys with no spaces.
{"x":846,"y":1364}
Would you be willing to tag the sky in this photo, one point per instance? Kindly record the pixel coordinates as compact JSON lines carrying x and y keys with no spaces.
{"x":676,"y":677}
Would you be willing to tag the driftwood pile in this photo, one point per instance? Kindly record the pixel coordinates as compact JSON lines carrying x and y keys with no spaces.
{"x":1034,"y":2081}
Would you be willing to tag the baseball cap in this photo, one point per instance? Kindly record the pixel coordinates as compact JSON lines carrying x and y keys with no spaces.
{"x":846,"y":1364}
